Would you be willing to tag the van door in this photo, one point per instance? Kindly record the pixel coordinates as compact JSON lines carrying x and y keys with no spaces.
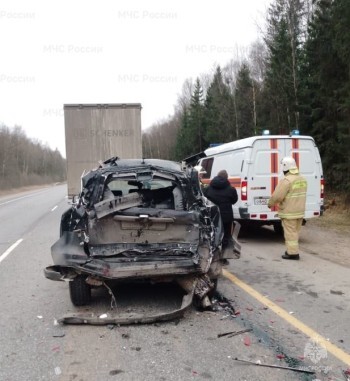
{"x":263,"y":175}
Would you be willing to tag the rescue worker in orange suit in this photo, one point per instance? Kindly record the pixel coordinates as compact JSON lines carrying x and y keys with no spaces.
{"x":290,"y":196}
{"x":221,"y":193}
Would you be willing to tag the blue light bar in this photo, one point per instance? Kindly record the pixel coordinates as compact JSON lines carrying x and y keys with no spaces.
{"x":214,"y":144}
{"x":295,"y":132}
{"x":266,"y":132}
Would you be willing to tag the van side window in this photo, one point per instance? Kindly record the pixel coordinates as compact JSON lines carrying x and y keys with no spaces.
{"x":207,"y":164}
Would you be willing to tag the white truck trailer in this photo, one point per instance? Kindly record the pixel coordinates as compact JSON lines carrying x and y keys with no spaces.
{"x":96,"y":132}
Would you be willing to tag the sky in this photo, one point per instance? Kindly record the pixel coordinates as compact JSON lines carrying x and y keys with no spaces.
{"x":112,"y":51}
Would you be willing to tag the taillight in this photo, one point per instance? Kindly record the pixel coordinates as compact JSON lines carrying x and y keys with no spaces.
{"x":322,"y":188}
{"x":244,"y":190}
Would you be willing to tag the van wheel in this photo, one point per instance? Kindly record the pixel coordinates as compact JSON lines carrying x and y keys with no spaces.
{"x":278,"y":228}
{"x":80,"y":291}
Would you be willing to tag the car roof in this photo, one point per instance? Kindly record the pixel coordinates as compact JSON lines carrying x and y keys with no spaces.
{"x":116,"y":165}
{"x":166,"y":164}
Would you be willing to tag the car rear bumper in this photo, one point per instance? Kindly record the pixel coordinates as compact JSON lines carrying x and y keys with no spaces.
{"x":103,"y":269}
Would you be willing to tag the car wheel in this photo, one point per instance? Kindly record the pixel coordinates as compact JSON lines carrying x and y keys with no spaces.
{"x":80,"y":291}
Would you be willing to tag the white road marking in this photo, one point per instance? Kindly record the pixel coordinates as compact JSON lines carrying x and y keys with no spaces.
{"x":53,"y":208}
{"x":20,"y":198}
{"x":8,"y":251}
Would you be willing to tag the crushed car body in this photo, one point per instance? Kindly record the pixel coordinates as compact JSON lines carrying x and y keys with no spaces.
{"x":140,"y":219}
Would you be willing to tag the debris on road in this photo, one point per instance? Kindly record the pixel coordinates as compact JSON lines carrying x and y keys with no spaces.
{"x":128,"y":318}
{"x":334,"y":292}
{"x":115,"y":372}
{"x":346,"y":374}
{"x":247,"y":342}
{"x":234,"y":333}
{"x":220,"y":302}
{"x":58,"y":371}
{"x":258,"y":363}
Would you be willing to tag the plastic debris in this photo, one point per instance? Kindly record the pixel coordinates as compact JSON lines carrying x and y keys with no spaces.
{"x":39,"y":317}
{"x":247,"y":341}
{"x":346,"y":374}
{"x":58,"y":371}
{"x":103,"y":316}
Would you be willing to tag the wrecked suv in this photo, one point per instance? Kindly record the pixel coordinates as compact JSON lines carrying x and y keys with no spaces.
{"x":140,"y":219}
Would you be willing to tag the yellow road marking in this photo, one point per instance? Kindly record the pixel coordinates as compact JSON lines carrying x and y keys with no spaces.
{"x":331,"y":348}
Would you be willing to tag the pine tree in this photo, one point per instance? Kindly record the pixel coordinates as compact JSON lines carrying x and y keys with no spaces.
{"x":219,"y":111}
{"x":190,"y":139}
{"x":196,"y":119}
{"x":281,"y":87}
{"x":245,"y":103}
{"x":326,"y":89}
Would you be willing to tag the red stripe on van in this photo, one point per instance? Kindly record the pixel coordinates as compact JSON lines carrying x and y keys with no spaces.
{"x":235,"y":182}
{"x":274,"y":166}
{"x":295,"y":146}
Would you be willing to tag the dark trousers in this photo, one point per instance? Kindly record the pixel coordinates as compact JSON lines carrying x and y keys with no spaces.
{"x":227,"y":233}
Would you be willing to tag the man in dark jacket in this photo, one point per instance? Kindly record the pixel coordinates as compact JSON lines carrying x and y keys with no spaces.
{"x":221,"y":193}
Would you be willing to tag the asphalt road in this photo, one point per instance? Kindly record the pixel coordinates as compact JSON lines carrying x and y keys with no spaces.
{"x":283,"y":303}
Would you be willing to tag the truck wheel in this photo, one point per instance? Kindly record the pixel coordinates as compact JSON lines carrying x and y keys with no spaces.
{"x":278,"y":228}
{"x":80,"y":291}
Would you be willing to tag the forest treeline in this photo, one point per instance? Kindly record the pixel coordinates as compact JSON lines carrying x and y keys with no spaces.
{"x":297,"y":77}
{"x":24,"y":161}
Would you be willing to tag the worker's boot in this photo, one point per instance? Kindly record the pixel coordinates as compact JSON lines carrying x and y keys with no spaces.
{"x":290,"y":256}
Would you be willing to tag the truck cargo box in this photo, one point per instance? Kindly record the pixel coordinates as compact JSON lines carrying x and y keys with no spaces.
{"x":95,"y":132}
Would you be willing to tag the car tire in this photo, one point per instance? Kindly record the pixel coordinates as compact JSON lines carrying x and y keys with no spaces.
{"x":80,"y":291}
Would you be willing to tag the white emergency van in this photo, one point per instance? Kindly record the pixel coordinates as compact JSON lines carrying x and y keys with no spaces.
{"x":254,"y":168}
